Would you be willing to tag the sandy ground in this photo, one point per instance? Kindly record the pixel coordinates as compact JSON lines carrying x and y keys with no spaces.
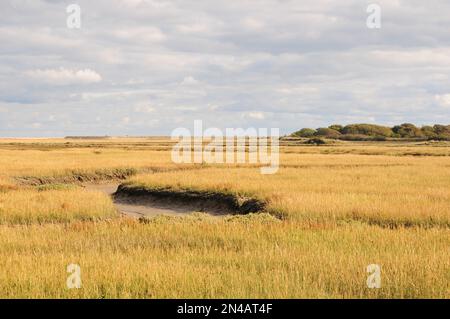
{"x":138,"y":206}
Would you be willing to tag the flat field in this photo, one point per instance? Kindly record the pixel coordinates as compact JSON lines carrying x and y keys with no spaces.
{"x":330,"y":211}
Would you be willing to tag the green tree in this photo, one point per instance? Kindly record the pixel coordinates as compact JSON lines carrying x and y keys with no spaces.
{"x":442,"y":131}
{"x":367,"y":129}
{"x":327,"y":132}
{"x":336,"y":127}
{"x":305,"y":132}
{"x":407,"y":130}
{"x":428,"y":131}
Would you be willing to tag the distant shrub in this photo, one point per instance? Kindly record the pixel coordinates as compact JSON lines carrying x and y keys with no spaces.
{"x":379,"y":138}
{"x":305,"y":132}
{"x":354,"y":137}
{"x":368,"y":129}
{"x":407,"y":130}
{"x":372,"y":132}
{"x":327,"y":132}
{"x":441,"y":129}
{"x":360,"y":137}
{"x":336,"y":127}
{"x":440,"y":137}
{"x":316,"y":141}
{"x":428,"y":131}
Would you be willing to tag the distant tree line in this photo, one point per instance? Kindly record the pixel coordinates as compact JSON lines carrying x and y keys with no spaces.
{"x":366,"y":132}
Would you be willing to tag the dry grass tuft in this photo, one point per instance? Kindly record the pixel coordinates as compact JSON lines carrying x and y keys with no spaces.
{"x":29,"y":206}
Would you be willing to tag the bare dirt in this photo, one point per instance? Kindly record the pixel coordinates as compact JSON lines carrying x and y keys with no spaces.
{"x":146,"y":205}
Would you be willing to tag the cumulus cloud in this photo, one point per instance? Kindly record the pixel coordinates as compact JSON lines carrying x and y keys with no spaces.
{"x":63,"y":76}
{"x":443,"y":100}
{"x":189,"y":80}
{"x":255,"y":115}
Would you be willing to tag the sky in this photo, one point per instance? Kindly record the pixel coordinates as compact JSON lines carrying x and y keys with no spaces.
{"x":147,"y":67}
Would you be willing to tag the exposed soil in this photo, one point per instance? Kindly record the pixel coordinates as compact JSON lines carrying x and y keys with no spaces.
{"x":210,"y":202}
{"x":143,"y":202}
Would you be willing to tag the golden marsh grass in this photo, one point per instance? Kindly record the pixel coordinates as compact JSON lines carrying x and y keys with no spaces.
{"x":29,"y":206}
{"x":343,"y":207}
{"x":205,"y":258}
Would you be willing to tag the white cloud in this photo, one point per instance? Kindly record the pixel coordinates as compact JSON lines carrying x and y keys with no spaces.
{"x":189,"y":80}
{"x":196,"y":28}
{"x":298,"y":90}
{"x":140,"y":34}
{"x":253,"y":24}
{"x":144,"y":108}
{"x":63,"y":76}
{"x":443,"y":100}
{"x":413,"y":57}
{"x":255,"y":115}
